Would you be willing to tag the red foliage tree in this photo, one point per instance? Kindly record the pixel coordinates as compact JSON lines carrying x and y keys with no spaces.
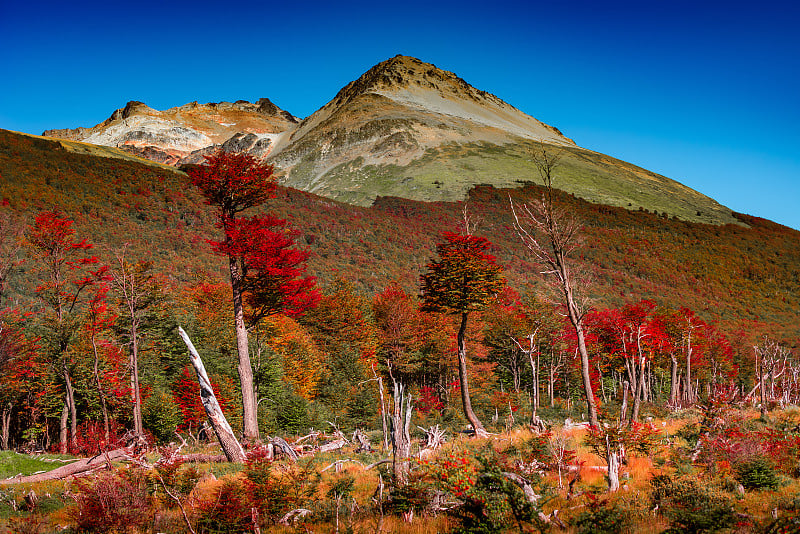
{"x":265,"y":271}
{"x":462,"y":281}
{"x":273,"y":270}
{"x":65,"y":278}
{"x":397,"y":320}
{"x":18,"y":372}
{"x":186,"y":392}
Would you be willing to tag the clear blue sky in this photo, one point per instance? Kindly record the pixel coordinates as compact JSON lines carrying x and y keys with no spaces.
{"x":706,"y":93}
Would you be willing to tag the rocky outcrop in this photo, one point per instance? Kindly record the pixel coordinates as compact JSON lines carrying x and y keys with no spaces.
{"x":186,"y":133}
{"x":132,"y":107}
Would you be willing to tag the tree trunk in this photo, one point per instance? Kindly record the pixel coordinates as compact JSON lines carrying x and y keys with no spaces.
{"x":630,"y":370}
{"x":673,"y":385}
{"x":100,"y":391}
{"x":763,"y":393}
{"x":688,"y":390}
{"x":587,"y":381}
{"x":62,"y":428}
{"x":73,"y":410}
{"x":602,"y":385}
{"x":613,"y":466}
{"x":379,"y":379}
{"x":230,"y":445}
{"x":637,"y":401}
{"x":480,"y":431}
{"x":6,"y":425}
{"x":535,"y":400}
{"x":245,"y":368}
{"x":577,"y":323}
{"x":401,"y":436}
{"x":624,"y":409}
{"x":138,"y":426}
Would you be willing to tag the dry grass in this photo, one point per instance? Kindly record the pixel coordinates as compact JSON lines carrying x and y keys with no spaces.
{"x":634,"y":495}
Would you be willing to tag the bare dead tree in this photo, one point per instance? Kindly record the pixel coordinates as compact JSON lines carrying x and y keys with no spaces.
{"x":552,"y":235}
{"x":227,"y":439}
{"x":772,"y":361}
{"x":135,"y":284}
{"x":379,"y":380}
{"x":400,"y":430}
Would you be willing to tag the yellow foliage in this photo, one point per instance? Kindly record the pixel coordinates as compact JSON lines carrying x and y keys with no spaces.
{"x":302,"y":360}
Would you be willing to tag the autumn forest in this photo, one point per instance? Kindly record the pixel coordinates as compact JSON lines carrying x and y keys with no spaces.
{"x":523,"y":360}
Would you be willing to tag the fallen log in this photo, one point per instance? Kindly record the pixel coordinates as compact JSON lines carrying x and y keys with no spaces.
{"x":525,"y":485}
{"x":281,"y":445}
{"x":293,"y":516}
{"x":79,"y":467}
{"x":202,"y":458}
{"x":333,"y":445}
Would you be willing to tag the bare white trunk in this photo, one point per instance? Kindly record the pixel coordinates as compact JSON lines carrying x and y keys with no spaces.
{"x":227,"y":439}
{"x":613,"y":466}
{"x":401,"y":436}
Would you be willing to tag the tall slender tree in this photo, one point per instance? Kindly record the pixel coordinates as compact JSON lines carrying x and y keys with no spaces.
{"x":137,"y":289}
{"x":552,"y":235}
{"x":265,"y":271}
{"x":464,"y":279}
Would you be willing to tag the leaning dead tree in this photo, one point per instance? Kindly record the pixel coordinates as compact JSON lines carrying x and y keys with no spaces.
{"x":227,"y":439}
{"x":552,"y":234}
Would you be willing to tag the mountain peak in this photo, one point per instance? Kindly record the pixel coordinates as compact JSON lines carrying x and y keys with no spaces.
{"x":406,"y":72}
{"x":131,"y":108}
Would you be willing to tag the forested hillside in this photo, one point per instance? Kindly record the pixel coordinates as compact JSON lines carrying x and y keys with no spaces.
{"x":735,"y":274}
{"x":103,"y":259}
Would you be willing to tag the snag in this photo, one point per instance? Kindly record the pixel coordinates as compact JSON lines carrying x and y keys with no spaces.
{"x":230,"y":445}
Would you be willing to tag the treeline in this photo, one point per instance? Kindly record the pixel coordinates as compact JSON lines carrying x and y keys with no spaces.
{"x":741,"y":277}
{"x":98,"y":352}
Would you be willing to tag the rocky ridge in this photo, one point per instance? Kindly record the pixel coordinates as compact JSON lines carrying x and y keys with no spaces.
{"x":183,"y":134}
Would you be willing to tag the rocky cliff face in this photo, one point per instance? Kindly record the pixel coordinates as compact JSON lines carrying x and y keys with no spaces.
{"x":183,"y":134}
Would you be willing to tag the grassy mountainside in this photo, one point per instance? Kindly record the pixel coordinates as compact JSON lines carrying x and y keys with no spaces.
{"x":113,"y":197}
{"x":733,"y":273}
{"x":448,"y":172}
{"x":409,"y":129}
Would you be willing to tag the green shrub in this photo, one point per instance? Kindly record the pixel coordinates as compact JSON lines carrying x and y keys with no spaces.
{"x":490,"y":500}
{"x":160,"y":415}
{"x":757,"y":474}
{"x":690,"y":507}
{"x":602,"y":517}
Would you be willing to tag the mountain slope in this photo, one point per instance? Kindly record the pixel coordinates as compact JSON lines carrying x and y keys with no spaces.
{"x":742,"y":276}
{"x":404,"y":128}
